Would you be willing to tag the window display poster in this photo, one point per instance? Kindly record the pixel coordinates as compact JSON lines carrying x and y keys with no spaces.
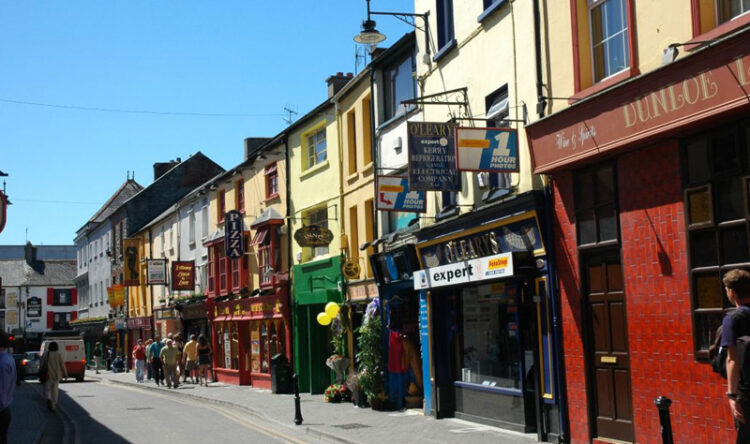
{"x":227,"y":351}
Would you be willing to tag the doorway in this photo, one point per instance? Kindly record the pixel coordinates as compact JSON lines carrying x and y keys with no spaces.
{"x":609,"y":359}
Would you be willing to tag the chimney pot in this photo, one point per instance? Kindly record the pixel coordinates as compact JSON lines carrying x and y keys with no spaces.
{"x":339,"y":74}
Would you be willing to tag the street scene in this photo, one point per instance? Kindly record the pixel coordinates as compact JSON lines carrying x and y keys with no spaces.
{"x":426,"y":221}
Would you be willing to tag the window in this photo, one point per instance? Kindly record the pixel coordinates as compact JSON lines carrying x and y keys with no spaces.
{"x":497,"y":107}
{"x":595,"y":205}
{"x":400,"y":85}
{"x":191,"y":227}
{"x":204,"y":222}
{"x":366,"y":131}
{"x":316,"y":148}
{"x":369,"y":231}
{"x":272,"y":181}
{"x":444,"y":23}
{"x":264,"y":244}
{"x":448,"y":201}
{"x":61,"y":321}
{"x":239,"y":196}
{"x":716,"y":191}
{"x":354,"y":234}
{"x":62,"y":297}
{"x":609,"y":37}
{"x":221,"y":258}
{"x":221,"y":207}
{"x":729,"y":9}
{"x":210,"y":270}
{"x":351,"y":140}
{"x":320,"y":218}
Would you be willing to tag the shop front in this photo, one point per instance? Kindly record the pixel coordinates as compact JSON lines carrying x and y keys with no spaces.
{"x":138,"y":328}
{"x":315,"y":284}
{"x":193,"y":319}
{"x":650,"y":183}
{"x":488,"y":314}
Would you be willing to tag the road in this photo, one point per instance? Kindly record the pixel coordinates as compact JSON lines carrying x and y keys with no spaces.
{"x":101,"y":412}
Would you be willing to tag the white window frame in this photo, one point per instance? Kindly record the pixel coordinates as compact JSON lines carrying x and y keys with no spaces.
{"x":591,"y":5}
{"x":312,"y":140}
{"x":744,"y":5}
{"x":320,"y":220}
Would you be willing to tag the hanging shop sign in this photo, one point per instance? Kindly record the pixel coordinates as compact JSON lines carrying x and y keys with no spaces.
{"x":494,"y":150}
{"x":165,"y":314}
{"x":3,"y":210}
{"x":116,"y":295}
{"x":432,"y":157}
{"x":474,"y":270}
{"x":350,"y":269}
{"x":34,"y":307}
{"x":394,"y":194}
{"x":515,"y":234}
{"x":156,"y":271}
{"x":233,"y":234}
{"x":313,"y":236}
{"x":132,"y":275}
{"x":183,"y":275}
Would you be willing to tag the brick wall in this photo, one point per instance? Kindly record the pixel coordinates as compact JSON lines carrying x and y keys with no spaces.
{"x":655,"y":264}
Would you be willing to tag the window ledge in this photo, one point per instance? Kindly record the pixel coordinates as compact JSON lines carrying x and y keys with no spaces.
{"x":488,"y":12}
{"x":603,"y":84}
{"x":352,"y":177}
{"x":368,"y":169}
{"x":272,"y":197}
{"x":445,"y":50}
{"x":314,"y":169}
{"x":447,"y":212}
{"x":494,"y":194}
{"x":397,"y":118}
{"x":718,"y":31}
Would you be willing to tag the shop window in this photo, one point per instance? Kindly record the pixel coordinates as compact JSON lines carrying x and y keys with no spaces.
{"x":595,"y":206}
{"x":446,"y":40}
{"x":717,"y":213}
{"x":220,"y":206}
{"x":491,"y":351}
{"x":497,"y":106}
{"x":239,"y":195}
{"x":609,"y":37}
{"x":729,"y":9}
{"x":272,"y":181}
{"x":400,"y":85}
{"x":316,"y":148}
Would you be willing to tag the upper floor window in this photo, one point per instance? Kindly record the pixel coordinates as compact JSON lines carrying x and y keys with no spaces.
{"x":191,"y":227}
{"x":596,"y":205}
{"x":444,"y":22}
{"x":239,"y":195}
{"x":351,"y":140}
{"x":204,"y":222}
{"x":316,"y":147}
{"x":400,"y":85}
{"x":448,"y":204}
{"x":318,"y":217}
{"x":498,"y":107}
{"x":609,"y":37}
{"x":62,"y":297}
{"x":729,"y":9}
{"x":221,"y":206}
{"x":272,"y":181}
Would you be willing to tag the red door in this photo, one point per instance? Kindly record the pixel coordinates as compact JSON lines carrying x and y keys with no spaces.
{"x":610,"y":360}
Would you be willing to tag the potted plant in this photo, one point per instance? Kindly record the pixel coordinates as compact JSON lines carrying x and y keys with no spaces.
{"x":370,"y":360}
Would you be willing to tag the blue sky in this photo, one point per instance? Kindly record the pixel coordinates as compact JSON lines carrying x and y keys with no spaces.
{"x":244,"y":59}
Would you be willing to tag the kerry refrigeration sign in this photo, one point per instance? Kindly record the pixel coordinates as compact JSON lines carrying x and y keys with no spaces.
{"x":474,"y":270}
{"x":432,"y":157}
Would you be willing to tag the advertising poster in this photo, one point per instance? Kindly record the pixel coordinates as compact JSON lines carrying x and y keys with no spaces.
{"x":156,"y":271}
{"x":493,"y":150}
{"x":432,"y":157}
{"x":394,"y":194}
{"x":183,"y":275}
{"x":131,"y":263}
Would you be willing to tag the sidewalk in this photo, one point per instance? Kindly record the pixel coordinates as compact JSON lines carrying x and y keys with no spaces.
{"x":335,"y":422}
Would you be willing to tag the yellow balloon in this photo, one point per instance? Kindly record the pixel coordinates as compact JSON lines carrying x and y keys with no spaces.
{"x":332,"y":309}
{"x":323,"y":319}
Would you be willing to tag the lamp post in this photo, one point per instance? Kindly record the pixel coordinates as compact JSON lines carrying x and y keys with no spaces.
{"x":371,"y":36}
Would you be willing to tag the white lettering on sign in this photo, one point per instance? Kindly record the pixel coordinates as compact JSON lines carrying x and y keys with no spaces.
{"x":577,"y":137}
{"x":490,"y":267}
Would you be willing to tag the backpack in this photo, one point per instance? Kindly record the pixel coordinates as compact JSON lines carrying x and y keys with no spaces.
{"x":718,"y":355}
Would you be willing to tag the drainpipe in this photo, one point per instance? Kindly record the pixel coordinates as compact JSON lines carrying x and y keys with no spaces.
{"x":541,"y":100}
{"x":287,"y":169}
{"x":374,"y":158}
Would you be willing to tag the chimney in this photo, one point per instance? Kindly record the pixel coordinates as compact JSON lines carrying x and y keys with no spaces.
{"x":252,"y":144}
{"x":335,"y":83}
{"x":30,"y":254}
{"x":160,"y":168}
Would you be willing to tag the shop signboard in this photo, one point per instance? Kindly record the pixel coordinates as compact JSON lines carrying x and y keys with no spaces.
{"x":34,"y":307}
{"x":432,"y":157}
{"x":165,"y":314}
{"x":493,"y":150}
{"x":156,"y":271}
{"x":11,"y":300}
{"x":473,"y":270}
{"x":131,"y":272}
{"x":116,"y":295}
{"x":394,"y":194}
{"x":183,"y":275}
{"x":313,"y":236}
{"x":233,"y":234}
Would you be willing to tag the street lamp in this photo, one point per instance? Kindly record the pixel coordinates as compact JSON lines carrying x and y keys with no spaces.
{"x":371,"y":36}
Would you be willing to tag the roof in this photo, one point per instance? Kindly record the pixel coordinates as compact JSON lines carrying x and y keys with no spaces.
{"x":129,"y":189}
{"x":42,"y":252}
{"x":17,"y":272}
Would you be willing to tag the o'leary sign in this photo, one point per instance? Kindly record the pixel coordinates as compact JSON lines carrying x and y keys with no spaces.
{"x":475,"y":270}
{"x":711,"y":82}
{"x":233,"y":234}
{"x":432,"y":157}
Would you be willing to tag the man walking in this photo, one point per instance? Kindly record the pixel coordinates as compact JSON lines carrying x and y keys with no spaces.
{"x":97,"y":353}
{"x":735,"y":325}
{"x":169,"y":359}
{"x":7,"y":385}
{"x":190,"y":359}
{"x":139,"y":355}
{"x":156,"y":363}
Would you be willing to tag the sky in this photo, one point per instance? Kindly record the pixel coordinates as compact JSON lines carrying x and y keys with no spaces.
{"x":92,"y":90}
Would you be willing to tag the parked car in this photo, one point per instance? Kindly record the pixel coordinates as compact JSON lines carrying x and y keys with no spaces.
{"x":18,"y":358}
{"x":30,"y":363}
{"x":73,"y":351}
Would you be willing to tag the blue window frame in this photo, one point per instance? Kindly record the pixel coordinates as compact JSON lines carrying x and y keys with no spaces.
{"x":445,"y":22}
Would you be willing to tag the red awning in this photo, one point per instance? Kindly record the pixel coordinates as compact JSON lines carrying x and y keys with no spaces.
{"x":259,"y":237}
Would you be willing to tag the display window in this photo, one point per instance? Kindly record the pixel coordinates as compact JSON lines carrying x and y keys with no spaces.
{"x":490,"y":352}
{"x":266,"y":341}
{"x":228,"y":350}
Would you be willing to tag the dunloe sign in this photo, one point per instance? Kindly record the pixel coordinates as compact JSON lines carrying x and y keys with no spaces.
{"x":703,"y":85}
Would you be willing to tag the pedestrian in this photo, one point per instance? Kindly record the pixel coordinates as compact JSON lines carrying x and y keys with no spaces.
{"x":179,"y":345}
{"x":204,"y":360}
{"x":190,"y":359}
{"x":169,"y":359}
{"x":110,"y":356}
{"x":735,"y":325}
{"x":7,"y":385}
{"x":149,"y":367}
{"x":97,"y":356}
{"x":139,"y":356}
{"x":52,"y":361}
{"x":156,"y":364}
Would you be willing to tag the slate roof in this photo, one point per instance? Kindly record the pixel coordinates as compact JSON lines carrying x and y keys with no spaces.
{"x":127,"y":190}
{"x":18,"y":272}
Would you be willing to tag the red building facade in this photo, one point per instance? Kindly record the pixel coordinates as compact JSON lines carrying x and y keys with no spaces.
{"x":650,"y":182}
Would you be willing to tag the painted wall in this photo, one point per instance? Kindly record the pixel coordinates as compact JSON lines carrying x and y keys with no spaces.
{"x":100,"y":271}
{"x":190,"y":246}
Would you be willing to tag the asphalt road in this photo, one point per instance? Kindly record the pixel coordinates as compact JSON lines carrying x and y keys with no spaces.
{"x":100,"y":412}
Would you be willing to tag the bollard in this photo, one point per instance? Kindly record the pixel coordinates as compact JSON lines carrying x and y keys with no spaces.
{"x":663,"y":403}
{"x":297,"y":409}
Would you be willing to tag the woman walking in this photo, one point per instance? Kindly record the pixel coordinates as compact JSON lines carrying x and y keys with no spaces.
{"x":52,"y":361}
{"x":204,"y":360}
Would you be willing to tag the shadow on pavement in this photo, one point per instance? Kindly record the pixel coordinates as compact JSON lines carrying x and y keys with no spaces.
{"x":88,"y":430}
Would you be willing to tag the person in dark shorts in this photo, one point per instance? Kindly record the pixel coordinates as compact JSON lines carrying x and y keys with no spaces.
{"x":204,"y":360}
{"x":735,"y":325}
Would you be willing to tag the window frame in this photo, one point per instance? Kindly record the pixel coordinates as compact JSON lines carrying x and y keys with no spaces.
{"x":317,"y":252}
{"x":392,"y":108}
{"x":445,"y":27}
{"x":744,"y":4}
{"x":221,"y":206}
{"x":591,"y":6}
{"x":56,"y":297}
{"x":239,"y":195}
{"x":311,"y":143}
{"x":271,"y":175}
{"x":494,"y":190}
{"x":597,"y":206}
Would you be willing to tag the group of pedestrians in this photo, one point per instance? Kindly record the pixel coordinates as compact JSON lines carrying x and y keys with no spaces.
{"x":168,"y":360}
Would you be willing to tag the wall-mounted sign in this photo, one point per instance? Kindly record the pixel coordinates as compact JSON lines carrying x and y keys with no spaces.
{"x":11,"y":317}
{"x":350,"y":269}
{"x":131,"y":271}
{"x":234,"y":234}
{"x":3,"y":210}
{"x":432,"y":157}
{"x":394,"y":194}
{"x":11,"y":300}
{"x":34,"y":307}
{"x":116,"y":295}
{"x":474,"y":270}
{"x":183,"y":275}
{"x":156,"y":271}
{"x":493,"y":150}
{"x":165,"y":314}
{"x":313,"y":236}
